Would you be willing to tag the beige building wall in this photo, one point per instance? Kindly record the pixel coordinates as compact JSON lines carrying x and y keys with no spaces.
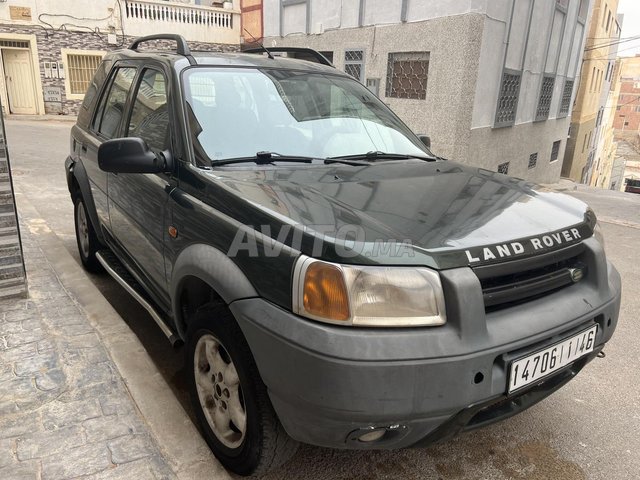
{"x":606,"y":151}
{"x":596,"y":72}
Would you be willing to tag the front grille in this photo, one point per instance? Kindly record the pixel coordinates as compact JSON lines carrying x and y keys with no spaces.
{"x":510,"y":283}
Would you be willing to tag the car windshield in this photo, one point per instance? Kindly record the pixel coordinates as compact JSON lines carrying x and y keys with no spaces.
{"x":237,"y":112}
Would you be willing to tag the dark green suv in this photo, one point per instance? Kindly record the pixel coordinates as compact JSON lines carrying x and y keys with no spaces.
{"x":333,"y":281}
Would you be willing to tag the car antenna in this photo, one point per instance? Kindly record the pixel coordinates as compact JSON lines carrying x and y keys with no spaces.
{"x":261,"y":45}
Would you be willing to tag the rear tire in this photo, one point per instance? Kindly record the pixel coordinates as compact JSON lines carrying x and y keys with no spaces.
{"x":230,"y":400}
{"x":88,"y":243}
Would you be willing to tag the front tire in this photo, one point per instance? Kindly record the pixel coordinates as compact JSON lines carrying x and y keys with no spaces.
{"x":229,"y":398}
{"x":88,"y":243}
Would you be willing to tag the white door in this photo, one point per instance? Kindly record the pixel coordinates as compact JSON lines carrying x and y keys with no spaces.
{"x":18,"y":76}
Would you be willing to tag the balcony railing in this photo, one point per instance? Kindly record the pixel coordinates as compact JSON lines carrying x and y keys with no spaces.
{"x":196,"y":23}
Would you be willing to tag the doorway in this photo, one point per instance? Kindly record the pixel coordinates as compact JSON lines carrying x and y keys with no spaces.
{"x":18,"y":74}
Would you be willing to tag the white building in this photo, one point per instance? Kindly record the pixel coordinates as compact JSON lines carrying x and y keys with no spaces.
{"x":491,"y":81}
{"x":50,"y":48}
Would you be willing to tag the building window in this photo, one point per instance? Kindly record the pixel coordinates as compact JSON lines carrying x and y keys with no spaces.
{"x":503,"y":168}
{"x":407,"y":74}
{"x":14,"y":44}
{"x":328,"y":55}
{"x":533,"y":160}
{"x":508,"y":99}
{"x":354,"y":64}
{"x":583,"y":10}
{"x":373,"y":84}
{"x":544,"y":100}
{"x":80,"y":67}
{"x":555,"y":150}
{"x":566,"y":98}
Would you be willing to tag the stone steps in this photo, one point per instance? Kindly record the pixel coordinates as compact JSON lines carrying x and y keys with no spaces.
{"x":7,"y":219}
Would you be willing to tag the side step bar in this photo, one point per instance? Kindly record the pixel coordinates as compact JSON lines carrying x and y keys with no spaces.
{"x":120,"y":274}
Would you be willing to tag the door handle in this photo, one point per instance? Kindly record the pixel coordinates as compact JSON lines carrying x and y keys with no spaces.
{"x":84,"y":148}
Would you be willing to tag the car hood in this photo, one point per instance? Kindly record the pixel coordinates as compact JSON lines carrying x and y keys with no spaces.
{"x":441,"y":214}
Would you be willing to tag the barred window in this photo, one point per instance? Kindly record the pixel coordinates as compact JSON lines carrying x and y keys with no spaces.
{"x":407,"y":74}
{"x":508,"y":99}
{"x":533,"y":160}
{"x":80,"y":69}
{"x":555,"y":150}
{"x":354,"y":64}
{"x":544,"y":100}
{"x":566,"y":98}
{"x":503,"y":168}
{"x":14,"y":44}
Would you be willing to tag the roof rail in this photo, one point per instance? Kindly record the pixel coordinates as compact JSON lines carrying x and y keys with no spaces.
{"x":181,"y":49}
{"x":309,"y":51}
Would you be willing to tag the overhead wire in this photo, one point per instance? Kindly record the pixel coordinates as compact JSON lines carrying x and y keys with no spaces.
{"x":610,"y":44}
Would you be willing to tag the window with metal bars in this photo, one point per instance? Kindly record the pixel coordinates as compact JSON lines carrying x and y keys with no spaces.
{"x":565,"y":103}
{"x":14,"y":44}
{"x":80,"y":69}
{"x":533,"y":160}
{"x":555,"y":150}
{"x":354,"y":63}
{"x":508,"y":99}
{"x":503,"y":168}
{"x":544,"y":99}
{"x":407,"y":74}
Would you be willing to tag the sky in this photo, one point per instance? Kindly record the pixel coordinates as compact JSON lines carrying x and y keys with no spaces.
{"x":630,"y":27}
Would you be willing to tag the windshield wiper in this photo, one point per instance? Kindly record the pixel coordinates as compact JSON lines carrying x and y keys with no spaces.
{"x":377,"y":155}
{"x":264,"y":158}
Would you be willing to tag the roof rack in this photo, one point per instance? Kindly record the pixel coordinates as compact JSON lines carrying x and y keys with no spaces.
{"x":309,"y":51}
{"x":181,"y":49}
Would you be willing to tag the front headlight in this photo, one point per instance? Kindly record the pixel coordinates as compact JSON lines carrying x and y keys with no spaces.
{"x":367,"y":295}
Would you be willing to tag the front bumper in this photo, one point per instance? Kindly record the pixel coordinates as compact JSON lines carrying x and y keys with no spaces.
{"x":328,"y":383}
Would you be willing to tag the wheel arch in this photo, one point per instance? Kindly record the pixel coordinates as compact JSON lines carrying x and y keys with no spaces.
{"x":78,"y":183}
{"x":203,"y":274}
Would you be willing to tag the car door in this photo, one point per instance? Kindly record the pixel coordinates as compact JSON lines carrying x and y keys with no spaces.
{"x":137,"y":202}
{"x":105,"y":125}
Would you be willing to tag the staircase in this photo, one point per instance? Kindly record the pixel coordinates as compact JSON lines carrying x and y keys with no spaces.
{"x":12,"y":274}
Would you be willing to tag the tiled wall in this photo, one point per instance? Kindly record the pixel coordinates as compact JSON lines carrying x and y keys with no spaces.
{"x":50,"y":44}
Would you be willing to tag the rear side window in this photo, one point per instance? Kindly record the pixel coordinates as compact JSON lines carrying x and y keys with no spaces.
{"x":150,"y":115}
{"x":111,"y":108}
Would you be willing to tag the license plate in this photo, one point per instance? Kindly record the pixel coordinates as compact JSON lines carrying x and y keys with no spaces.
{"x":532,"y":368}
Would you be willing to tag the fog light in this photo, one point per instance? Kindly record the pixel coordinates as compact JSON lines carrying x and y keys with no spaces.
{"x":372,"y":435}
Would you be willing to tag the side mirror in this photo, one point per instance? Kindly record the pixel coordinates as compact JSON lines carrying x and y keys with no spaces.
{"x":425,"y":139}
{"x":131,"y":155}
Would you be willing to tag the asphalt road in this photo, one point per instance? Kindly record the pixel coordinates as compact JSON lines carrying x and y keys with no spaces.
{"x":589,"y":429}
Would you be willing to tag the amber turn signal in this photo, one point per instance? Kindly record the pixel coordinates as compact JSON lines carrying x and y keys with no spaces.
{"x":325,"y":293}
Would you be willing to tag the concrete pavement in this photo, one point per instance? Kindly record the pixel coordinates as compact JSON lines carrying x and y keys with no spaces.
{"x":586,"y":430}
{"x":64,"y":409}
